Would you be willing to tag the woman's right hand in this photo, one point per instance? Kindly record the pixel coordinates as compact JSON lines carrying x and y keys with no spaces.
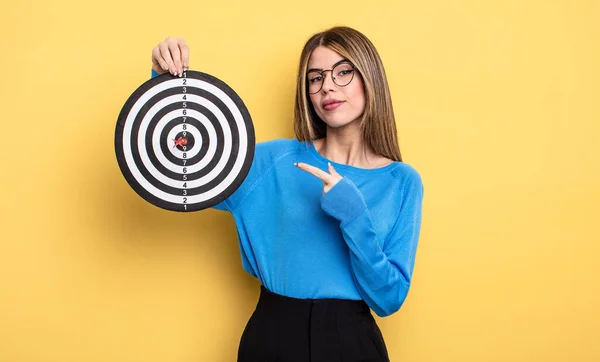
{"x":170,"y":55}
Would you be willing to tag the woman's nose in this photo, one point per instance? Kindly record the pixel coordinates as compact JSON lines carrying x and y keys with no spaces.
{"x":328,"y":82}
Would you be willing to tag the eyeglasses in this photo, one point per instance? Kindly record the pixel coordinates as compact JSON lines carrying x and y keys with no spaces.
{"x":342,"y":74}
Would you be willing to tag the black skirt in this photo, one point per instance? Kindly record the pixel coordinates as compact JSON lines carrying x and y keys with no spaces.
{"x":284,"y":329}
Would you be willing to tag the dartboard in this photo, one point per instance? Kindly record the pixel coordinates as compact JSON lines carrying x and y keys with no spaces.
{"x":184,"y":143}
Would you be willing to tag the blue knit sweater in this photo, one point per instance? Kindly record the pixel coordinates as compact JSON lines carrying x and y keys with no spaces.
{"x":357,"y":241}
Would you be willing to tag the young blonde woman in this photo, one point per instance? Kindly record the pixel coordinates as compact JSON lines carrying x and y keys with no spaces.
{"x":328,"y":222}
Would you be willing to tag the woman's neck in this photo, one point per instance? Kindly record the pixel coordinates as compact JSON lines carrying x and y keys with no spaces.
{"x":348,"y":147}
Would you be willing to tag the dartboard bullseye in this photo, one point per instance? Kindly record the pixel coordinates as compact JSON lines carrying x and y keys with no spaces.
{"x":184,"y":143}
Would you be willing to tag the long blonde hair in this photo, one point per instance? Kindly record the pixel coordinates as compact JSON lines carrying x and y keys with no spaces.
{"x":377,"y":124}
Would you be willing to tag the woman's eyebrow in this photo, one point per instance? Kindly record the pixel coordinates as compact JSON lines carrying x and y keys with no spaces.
{"x":333,"y":66}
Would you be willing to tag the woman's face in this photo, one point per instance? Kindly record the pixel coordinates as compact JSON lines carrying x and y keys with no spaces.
{"x":336,"y":105}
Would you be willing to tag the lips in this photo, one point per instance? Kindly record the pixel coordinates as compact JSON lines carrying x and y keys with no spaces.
{"x":331,"y":104}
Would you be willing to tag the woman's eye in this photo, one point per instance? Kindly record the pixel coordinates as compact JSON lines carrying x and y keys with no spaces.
{"x":315,"y":79}
{"x":346,"y":71}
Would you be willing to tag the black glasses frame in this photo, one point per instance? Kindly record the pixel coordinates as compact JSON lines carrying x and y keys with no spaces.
{"x":322,"y":73}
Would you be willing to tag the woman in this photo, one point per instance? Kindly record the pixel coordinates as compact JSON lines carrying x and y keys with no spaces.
{"x":328,"y":222}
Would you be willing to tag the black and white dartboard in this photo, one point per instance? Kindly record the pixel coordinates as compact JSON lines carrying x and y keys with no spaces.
{"x":184,"y":143}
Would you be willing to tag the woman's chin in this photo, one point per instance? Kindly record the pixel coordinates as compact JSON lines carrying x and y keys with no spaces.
{"x":338,"y":123}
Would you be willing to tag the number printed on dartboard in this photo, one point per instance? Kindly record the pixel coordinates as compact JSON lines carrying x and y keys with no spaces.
{"x":184,"y":135}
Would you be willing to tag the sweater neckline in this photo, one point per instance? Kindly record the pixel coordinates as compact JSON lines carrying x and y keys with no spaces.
{"x":347,"y":168}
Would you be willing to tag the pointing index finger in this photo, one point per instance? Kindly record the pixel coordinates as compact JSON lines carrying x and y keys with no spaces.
{"x":314,"y":171}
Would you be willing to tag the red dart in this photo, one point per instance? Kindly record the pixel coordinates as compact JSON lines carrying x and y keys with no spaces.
{"x":180,"y":142}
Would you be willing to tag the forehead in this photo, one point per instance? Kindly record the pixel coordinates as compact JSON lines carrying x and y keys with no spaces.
{"x":323,"y":58}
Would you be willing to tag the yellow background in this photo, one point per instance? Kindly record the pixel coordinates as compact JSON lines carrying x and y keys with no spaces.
{"x":497,"y":107}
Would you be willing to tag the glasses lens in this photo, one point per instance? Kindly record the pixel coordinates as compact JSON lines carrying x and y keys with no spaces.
{"x":315,"y":81}
{"x":343,"y":74}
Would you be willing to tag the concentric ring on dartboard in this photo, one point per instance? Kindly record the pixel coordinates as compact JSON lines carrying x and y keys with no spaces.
{"x":172,"y":162}
{"x":184,"y":144}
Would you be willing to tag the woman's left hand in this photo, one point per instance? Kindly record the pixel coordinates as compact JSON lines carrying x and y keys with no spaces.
{"x":329,"y":179}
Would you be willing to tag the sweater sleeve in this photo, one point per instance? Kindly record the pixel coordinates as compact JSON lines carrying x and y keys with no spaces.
{"x":382,"y":268}
{"x":232,"y":202}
